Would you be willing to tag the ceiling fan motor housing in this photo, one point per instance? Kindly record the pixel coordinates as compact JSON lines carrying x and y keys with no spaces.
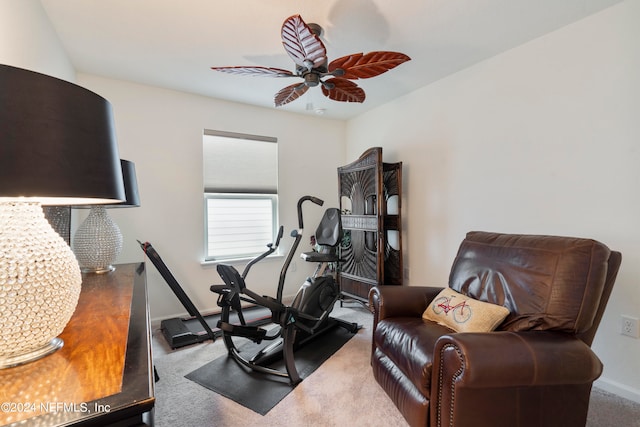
{"x":311,"y":79}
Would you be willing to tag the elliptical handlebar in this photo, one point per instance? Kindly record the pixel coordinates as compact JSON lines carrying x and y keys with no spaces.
{"x":277,"y":243}
{"x":272,"y":248}
{"x":303,"y":199}
{"x":297,"y":236}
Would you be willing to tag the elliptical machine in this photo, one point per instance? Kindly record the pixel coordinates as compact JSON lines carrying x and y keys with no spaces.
{"x":307,"y":316}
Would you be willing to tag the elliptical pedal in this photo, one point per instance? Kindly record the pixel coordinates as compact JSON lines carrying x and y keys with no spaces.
{"x":254,"y":333}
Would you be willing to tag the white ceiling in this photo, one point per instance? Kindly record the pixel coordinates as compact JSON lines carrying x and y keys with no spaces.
{"x":173,"y":44}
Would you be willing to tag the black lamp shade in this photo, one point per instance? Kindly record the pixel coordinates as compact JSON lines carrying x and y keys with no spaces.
{"x":57,"y":141}
{"x":130,"y":185}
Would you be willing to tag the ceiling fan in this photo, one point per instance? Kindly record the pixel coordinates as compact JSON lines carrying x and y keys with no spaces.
{"x":302,"y":43}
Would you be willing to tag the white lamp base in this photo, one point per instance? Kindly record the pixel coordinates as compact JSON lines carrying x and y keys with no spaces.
{"x":40,"y":284}
{"x":97,"y":242}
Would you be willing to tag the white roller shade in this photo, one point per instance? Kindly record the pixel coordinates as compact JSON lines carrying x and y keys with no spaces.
{"x":238,"y":163}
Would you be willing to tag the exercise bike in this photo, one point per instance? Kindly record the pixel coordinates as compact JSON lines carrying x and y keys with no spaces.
{"x":308,"y":315}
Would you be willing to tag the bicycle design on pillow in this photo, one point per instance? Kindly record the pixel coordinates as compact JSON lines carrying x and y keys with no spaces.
{"x":461,"y":312}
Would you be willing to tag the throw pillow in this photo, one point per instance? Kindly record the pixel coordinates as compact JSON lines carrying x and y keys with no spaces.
{"x":464,"y":314}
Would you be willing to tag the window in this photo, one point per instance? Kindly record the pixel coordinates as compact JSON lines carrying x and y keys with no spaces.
{"x":240,"y":194}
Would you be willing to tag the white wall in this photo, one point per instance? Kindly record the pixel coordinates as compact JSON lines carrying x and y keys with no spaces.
{"x":541,"y":139}
{"x":28,"y":40}
{"x":161,"y":132}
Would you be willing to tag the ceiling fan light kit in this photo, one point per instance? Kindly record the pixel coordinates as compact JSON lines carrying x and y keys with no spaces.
{"x":302,"y":43}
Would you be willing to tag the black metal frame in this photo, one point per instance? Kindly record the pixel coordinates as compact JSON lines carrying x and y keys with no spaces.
{"x":296,"y":326}
{"x":176,"y":288}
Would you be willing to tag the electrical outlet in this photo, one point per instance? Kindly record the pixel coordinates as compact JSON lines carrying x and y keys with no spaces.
{"x":630,"y":327}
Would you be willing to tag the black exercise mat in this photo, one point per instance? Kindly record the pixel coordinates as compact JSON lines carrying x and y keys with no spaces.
{"x":260,"y":392}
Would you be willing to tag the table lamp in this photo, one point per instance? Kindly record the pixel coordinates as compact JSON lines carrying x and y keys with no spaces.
{"x":98,"y":241}
{"x":57,"y":147}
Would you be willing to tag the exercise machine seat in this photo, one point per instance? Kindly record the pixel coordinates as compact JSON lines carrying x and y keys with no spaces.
{"x":328,"y":237}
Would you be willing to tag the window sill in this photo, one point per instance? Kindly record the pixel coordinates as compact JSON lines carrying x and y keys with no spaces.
{"x":238,"y":260}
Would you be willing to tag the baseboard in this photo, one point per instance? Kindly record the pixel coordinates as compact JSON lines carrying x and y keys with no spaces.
{"x":619,"y":389}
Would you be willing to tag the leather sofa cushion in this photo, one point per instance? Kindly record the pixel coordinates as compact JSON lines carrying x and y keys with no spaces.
{"x":409,"y":344}
{"x":546,"y":282}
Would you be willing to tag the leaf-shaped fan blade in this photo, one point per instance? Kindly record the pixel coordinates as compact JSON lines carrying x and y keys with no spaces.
{"x":302,"y":44}
{"x":255,"y":71}
{"x":343,"y":90}
{"x":290,"y":93}
{"x":359,"y":66}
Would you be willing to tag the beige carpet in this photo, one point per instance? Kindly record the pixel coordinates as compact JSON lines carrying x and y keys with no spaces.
{"x":342,"y":392}
{"x":323,"y":399}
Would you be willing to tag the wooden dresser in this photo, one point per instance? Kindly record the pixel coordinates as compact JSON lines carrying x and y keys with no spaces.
{"x":104,"y":373}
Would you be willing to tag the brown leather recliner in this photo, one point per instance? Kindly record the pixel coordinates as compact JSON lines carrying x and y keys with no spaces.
{"x":535,"y":369}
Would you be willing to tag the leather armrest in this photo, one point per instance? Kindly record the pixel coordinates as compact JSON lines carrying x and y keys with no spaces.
{"x":506,"y":378}
{"x":400,"y":301}
{"x":513,"y":359}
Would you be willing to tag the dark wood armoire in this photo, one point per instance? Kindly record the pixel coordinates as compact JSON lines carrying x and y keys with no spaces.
{"x":370,"y":194}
